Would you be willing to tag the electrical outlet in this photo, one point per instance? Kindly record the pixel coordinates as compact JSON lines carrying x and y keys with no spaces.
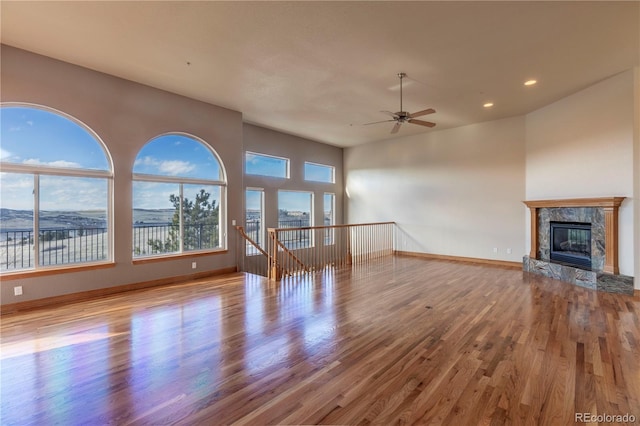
{"x":17,"y":290}
{"x":233,"y":222}
{"x":495,"y":249}
{"x":508,"y":251}
{"x":194,"y":265}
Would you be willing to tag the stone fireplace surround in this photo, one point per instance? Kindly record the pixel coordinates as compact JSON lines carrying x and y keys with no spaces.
{"x":602,"y":214}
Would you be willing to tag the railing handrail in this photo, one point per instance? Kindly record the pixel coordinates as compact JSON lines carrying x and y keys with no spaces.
{"x":290,"y":254}
{"x":305,"y":228}
{"x":250,"y":240}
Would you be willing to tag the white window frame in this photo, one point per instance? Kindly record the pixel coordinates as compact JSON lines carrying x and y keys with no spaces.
{"x":286,"y":160}
{"x":262,"y":233}
{"x":312,"y":242}
{"x":332,"y":168}
{"x":181,"y":181}
{"x":329,"y":238}
{"x":43,"y":170}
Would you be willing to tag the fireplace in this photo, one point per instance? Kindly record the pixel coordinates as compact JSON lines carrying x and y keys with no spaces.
{"x":586,"y":230}
{"x":571,"y":243}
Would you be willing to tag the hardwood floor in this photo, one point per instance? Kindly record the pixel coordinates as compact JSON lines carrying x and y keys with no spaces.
{"x":404,"y":340}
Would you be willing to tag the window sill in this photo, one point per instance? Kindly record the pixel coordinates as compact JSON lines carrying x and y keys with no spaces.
{"x":33,"y":273}
{"x":154,"y":259}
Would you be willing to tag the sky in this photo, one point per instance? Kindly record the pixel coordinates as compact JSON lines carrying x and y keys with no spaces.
{"x":37,"y":137}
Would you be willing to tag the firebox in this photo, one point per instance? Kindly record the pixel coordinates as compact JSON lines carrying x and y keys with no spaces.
{"x":571,"y":243}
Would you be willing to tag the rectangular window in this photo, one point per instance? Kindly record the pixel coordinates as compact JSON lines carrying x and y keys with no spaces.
{"x":200,"y":217}
{"x":156,"y":222}
{"x":266,"y":165}
{"x":162,"y":224}
{"x":254,"y":219}
{"x":16,"y":221}
{"x":329,"y":216}
{"x":295,"y":211}
{"x":72,"y":220}
{"x":319,"y":172}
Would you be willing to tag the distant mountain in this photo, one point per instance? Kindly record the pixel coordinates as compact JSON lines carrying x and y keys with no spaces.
{"x":11,"y":220}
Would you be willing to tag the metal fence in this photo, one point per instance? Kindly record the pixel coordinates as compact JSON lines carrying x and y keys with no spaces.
{"x":165,"y":238}
{"x":62,"y":246}
{"x":56,"y":246}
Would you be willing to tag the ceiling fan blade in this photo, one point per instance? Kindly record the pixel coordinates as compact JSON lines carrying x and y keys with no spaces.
{"x":422,"y":123}
{"x":392,"y":114}
{"x":423,"y":112}
{"x":377,"y":122}
{"x":396,"y":127}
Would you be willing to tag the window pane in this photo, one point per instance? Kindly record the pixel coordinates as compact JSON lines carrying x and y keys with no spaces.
{"x":178,"y":155}
{"x":294,"y":211}
{"x":266,"y":165}
{"x":37,"y":137}
{"x":319,"y":173}
{"x":16,"y":221}
{"x":72,"y":220}
{"x":201,"y":217}
{"x":329,"y":217}
{"x":254,"y":219}
{"x":155,"y":219}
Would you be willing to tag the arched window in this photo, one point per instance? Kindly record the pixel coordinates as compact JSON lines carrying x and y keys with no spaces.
{"x":179,"y":197}
{"x":55,"y":190}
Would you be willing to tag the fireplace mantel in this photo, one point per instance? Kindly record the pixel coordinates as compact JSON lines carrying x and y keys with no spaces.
{"x":610,"y":205}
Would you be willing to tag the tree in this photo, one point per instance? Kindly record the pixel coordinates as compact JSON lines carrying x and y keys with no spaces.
{"x":199,"y":225}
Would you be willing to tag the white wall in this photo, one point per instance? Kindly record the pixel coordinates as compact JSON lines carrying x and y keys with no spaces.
{"x":583,"y":146}
{"x":454,"y":192}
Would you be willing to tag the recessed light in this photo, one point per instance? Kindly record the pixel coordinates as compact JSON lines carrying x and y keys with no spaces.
{"x":488,"y":105}
{"x":530,"y":82}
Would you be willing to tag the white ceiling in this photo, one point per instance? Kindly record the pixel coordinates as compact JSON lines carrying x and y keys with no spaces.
{"x":321,"y":69}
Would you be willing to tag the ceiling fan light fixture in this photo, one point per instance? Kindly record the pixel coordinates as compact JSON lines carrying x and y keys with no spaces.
{"x":402,"y":116}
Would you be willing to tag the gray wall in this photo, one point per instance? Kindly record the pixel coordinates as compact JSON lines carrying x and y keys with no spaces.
{"x":126,"y":115}
{"x":298,"y":150}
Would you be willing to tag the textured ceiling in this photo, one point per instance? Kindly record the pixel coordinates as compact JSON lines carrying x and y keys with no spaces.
{"x":321,"y":69}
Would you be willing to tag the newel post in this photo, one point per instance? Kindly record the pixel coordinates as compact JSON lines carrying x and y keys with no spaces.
{"x":274,"y":271}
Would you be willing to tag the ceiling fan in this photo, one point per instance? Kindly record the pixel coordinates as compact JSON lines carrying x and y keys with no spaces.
{"x":401,"y":116}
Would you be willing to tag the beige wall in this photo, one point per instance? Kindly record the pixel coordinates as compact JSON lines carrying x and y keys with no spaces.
{"x":583,"y":146}
{"x":297,"y":150}
{"x":453,"y":192}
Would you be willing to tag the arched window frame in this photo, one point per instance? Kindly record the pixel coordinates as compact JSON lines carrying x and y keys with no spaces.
{"x":222,"y":183}
{"x":42,"y":170}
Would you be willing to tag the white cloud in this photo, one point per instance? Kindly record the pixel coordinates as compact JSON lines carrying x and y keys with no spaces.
{"x":146,"y":161}
{"x":4,"y":154}
{"x":169,"y":167}
{"x":176,"y":167}
{"x":57,"y":163}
